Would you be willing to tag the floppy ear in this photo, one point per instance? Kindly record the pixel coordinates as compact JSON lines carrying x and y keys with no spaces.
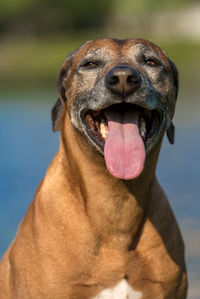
{"x":175,"y":77}
{"x":57,"y":110}
{"x":56,"y":115}
{"x":171,"y":128}
{"x":170,"y":132}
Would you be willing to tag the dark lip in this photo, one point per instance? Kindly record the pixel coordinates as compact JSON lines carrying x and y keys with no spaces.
{"x":153,"y":131}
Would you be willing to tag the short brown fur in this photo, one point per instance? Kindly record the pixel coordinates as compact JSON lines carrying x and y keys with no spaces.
{"x":86,"y":230}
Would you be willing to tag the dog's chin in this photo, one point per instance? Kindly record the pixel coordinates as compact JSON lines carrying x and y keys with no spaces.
{"x":96,"y":128}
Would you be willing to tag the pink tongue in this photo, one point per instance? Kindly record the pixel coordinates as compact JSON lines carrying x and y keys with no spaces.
{"x":124,"y":149}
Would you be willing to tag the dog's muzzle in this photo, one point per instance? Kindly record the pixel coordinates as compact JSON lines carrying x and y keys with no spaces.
{"x":123,"y":130}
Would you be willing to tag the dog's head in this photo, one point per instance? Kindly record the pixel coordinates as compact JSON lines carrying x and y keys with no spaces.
{"x":121,"y":95}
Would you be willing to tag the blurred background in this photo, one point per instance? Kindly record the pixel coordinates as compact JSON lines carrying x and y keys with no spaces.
{"x":35,"y":37}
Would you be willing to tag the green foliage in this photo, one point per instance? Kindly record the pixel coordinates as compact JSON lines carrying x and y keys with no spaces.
{"x":50,"y":15}
{"x":148,"y":6}
{"x":44,"y":16}
{"x":127,"y":9}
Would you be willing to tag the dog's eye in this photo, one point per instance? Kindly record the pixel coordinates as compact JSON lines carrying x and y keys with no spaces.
{"x":152,"y":62}
{"x":90,"y":65}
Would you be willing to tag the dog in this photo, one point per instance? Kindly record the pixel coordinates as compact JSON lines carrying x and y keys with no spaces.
{"x":100,"y":225}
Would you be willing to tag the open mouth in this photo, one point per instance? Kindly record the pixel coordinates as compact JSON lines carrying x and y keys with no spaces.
{"x":149,"y":123}
{"x":124,"y":132}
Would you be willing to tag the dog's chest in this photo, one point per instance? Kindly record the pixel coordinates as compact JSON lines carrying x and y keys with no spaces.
{"x":121,"y":291}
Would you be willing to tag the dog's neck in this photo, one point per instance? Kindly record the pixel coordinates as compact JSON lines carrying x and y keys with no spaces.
{"x":114,"y":207}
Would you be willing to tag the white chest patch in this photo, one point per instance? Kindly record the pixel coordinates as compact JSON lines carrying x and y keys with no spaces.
{"x":120,"y":291}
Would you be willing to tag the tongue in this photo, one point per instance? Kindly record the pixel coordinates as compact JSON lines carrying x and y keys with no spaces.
{"x":124,"y":150}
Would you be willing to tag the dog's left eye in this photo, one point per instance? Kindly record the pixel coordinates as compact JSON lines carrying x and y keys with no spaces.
{"x":90,"y":65}
{"x":152,"y":62}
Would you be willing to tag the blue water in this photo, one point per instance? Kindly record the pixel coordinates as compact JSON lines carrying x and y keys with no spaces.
{"x":28,"y":145}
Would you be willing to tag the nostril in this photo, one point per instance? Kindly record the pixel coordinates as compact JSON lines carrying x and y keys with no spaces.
{"x":132,"y":80}
{"x":113,"y":80}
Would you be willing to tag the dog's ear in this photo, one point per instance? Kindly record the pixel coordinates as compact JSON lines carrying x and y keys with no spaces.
{"x":175,"y":78}
{"x":170,"y":132}
{"x":56,"y":115}
{"x":57,"y":110}
{"x":170,"y":127}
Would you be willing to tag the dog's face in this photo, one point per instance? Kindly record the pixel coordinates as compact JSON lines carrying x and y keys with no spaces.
{"x":115,"y":89}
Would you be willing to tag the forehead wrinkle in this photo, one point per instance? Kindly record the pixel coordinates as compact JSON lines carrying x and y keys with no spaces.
{"x":100,"y":48}
{"x":158,"y":51}
{"x":92,"y":53}
{"x":139,"y":48}
{"x":130,"y":51}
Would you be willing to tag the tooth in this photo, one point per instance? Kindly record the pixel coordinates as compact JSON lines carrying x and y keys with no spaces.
{"x":103,"y":130}
{"x":142,"y":128}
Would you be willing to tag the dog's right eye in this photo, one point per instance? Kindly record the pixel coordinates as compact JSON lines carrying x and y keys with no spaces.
{"x":90,"y":65}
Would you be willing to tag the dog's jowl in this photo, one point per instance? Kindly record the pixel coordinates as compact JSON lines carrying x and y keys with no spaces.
{"x":100,"y":225}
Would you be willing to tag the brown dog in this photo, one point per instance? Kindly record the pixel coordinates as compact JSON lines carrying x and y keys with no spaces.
{"x":100,"y":225}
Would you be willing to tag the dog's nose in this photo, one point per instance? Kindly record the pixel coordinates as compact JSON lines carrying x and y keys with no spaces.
{"x":123,"y":80}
